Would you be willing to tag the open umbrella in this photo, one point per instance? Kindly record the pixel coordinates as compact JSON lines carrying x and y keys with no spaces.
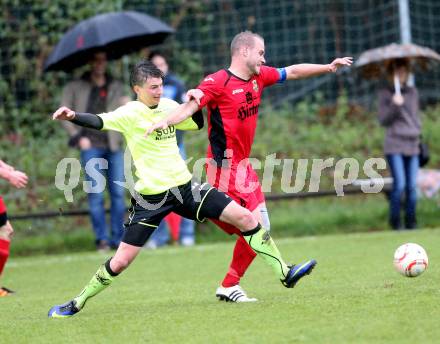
{"x":116,"y":33}
{"x":372,"y":63}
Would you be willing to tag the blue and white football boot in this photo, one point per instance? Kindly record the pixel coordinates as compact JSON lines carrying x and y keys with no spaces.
{"x":296,"y":272}
{"x":63,"y":311}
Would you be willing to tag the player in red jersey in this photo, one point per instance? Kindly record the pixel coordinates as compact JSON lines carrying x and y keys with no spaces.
{"x":19,"y":180}
{"x":233,"y":97}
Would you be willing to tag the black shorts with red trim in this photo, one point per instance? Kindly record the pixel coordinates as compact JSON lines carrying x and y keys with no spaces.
{"x":192,"y":200}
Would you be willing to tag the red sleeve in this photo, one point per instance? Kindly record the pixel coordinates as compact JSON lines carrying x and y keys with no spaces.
{"x":269,"y":75}
{"x":212,"y":87}
{"x":2,"y":206}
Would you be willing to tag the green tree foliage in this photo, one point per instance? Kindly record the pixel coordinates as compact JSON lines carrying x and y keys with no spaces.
{"x":28,"y":32}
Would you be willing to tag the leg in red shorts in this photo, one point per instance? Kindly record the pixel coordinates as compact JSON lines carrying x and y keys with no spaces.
{"x":249,"y":196}
{"x":5,"y":238}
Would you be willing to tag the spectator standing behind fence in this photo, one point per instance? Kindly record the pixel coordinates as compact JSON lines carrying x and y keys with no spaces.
{"x":182,"y":229}
{"x":399,"y":114}
{"x":97,"y":92}
{"x":17,"y":179}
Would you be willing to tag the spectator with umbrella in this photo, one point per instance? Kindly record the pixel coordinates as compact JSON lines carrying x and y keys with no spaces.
{"x":95,"y":41}
{"x":101,"y":152}
{"x":398,"y":113}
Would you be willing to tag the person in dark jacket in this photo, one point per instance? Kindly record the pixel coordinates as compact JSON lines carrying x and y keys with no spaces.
{"x":101,"y":152}
{"x":399,"y":114}
{"x":182,"y":229}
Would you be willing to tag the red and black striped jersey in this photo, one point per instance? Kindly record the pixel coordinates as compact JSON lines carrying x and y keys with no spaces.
{"x":232,"y":105}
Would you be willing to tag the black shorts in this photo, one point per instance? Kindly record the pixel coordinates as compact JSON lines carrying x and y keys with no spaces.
{"x":3,"y":214}
{"x":192,"y":200}
{"x":3,"y":219}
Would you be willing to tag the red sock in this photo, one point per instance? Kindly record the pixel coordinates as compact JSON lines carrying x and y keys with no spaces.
{"x":4,"y":253}
{"x":241,"y":259}
{"x":173,"y":220}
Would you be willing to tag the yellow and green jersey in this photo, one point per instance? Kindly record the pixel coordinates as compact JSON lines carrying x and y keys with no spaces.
{"x":156,"y":157}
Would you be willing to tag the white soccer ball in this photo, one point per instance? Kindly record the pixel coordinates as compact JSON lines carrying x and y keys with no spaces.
{"x":410,"y":260}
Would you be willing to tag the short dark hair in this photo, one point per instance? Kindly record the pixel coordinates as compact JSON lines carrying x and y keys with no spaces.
{"x":142,"y":71}
{"x":155,"y":53}
{"x":245,"y":38}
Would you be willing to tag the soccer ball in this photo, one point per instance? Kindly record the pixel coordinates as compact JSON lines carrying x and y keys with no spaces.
{"x":410,"y":260}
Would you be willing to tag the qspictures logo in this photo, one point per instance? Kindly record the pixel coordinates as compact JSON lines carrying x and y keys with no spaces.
{"x":296,"y":175}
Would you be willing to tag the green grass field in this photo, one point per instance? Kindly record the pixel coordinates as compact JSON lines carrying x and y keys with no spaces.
{"x":167,"y":296}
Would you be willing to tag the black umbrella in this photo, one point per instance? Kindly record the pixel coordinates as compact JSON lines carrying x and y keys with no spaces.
{"x":116,"y":33}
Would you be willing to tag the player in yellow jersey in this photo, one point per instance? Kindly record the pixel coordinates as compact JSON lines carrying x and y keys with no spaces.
{"x":164,"y":185}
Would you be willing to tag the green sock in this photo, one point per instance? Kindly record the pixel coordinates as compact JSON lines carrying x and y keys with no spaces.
{"x":262,"y":243}
{"x":100,"y":280}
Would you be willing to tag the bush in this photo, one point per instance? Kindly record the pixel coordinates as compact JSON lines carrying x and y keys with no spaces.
{"x":304,"y":131}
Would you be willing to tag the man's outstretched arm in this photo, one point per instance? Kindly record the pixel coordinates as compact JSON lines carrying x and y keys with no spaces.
{"x":14,"y":177}
{"x":179,"y":114}
{"x":306,"y":70}
{"x":87,"y":120}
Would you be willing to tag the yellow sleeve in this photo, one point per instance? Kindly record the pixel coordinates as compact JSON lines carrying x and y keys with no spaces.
{"x":195,"y":122}
{"x":120,"y":120}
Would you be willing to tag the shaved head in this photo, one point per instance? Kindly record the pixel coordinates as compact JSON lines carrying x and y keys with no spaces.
{"x":244,"y":39}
